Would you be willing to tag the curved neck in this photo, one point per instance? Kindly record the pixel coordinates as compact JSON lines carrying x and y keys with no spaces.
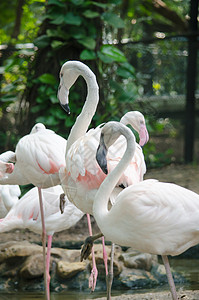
{"x":84,"y":119}
{"x":100,"y":206}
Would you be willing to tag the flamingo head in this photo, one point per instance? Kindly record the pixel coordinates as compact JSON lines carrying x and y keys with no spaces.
{"x":69,"y":73}
{"x":109,"y":134}
{"x":137,"y":121}
{"x":37,"y":127}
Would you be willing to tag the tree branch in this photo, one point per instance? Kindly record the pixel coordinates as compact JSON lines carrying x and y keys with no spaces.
{"x":19,"y":12}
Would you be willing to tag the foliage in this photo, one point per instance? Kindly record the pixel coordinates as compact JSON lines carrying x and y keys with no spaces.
{"x":95,"y":33}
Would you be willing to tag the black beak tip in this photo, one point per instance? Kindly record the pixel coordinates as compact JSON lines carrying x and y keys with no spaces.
{"x":66,"y":108}
{"x":105,"y":170}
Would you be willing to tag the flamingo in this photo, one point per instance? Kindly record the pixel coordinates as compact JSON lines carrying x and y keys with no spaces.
{"x":82,"y":176}
{"x":9,"y":195}
{"x":38,"y":156}
{"x":150,"y":216}
{"x":26,"y":214}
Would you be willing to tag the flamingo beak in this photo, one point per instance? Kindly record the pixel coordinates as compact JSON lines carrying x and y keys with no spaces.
{"x":62,"y":95}
{"x":101,"y":156}
{"x":143,"y":135}
{"x":66,"y":108}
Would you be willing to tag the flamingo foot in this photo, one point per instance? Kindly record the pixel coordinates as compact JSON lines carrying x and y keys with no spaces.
{"x":86,"y":248}
{"x":62,"y":203}
{"x":109,"y":281}
{"x":93,"y":279}
{"x":88,"y":245}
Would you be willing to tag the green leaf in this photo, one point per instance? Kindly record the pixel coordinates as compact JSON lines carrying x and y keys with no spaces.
{"x":56,"y":44}
{"x":102,"y":5}
{"x":105,"y":59}
{"x":70,"y":18}
{"x":56,"y":2}
{"x":36,"y":109}
{"x":116,"y":2}
{"x":113,"y":53}
{"x":59,"y":20}
{"x":77,"y":2}
{"x":53,"y":98}
{"x":8,"y":98}
{"x":88,"y":43}
{"x":126,"y":70}
{"x":90,"y":14}
{"x":57,"y":33}
{"x":87,"y":55}
{"x":48,"y":79}
{"x":112,"y":19}
{"x":48,"y":120}
{"x":129,"y":67}
{"x":77,"y":32}
{"x":42,"y":41}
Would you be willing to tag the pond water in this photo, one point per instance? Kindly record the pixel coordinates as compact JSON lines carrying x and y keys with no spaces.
{"x":189,"y":268}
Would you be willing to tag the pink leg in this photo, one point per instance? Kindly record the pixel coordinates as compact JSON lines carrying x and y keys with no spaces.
{"x":170,"y":277}
{"x":105,"y":256}
{"x":48,"y":265}
{"x":43,"y":238}
{"x":94,"y":272}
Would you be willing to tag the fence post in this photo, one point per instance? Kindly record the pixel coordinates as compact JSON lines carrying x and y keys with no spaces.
{"x":191,"y":84}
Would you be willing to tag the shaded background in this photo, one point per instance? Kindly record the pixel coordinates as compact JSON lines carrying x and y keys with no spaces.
{"x":144,"y":54}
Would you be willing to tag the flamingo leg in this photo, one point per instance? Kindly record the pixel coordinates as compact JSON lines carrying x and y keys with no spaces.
{"x":170,"y":277}
{"x":43,"y":238}
{"x":105,"y":256}
{"x":109,"y":277}
{"x":48,"y":265}
{"x":94,"y":271}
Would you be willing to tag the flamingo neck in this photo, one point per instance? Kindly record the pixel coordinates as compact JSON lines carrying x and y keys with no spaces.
{"x":100,"y":206}
{"x":84,"y":119}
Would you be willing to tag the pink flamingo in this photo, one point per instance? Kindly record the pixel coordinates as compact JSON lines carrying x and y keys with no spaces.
{"x":38,"y":156}
{"x":26,"y":214}
{"x":82,"y":176}
{"x":9,"y":195}
{"x":160,"y":218}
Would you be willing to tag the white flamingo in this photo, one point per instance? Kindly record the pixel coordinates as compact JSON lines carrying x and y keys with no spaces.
{"x":38,"y":157}
{"x":26,"y":214}
{"x":9,"y":196}
{"x":150,"y":216}
{"x":82,"y":176}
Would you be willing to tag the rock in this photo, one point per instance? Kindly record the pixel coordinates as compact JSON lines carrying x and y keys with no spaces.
{"x":68,"y":270}
{"x":137,"y":278}
{"x":33,"y":267}
{"x":65,"y":254}
{"x":18,"y":249}
{"x":21,"y":267}
{"x":138,"y":260}
{"x":117,"y":267}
